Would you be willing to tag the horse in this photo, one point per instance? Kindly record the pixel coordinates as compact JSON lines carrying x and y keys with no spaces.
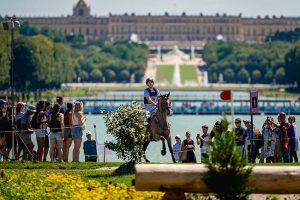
{"x":159,"y":128}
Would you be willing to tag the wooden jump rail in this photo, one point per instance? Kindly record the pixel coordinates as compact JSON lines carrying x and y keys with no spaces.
{"x":188,"y":178}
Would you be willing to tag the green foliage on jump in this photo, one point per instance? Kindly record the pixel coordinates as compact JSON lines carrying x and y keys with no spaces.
{"x":127,"y":126}
{"x":227,"y":176}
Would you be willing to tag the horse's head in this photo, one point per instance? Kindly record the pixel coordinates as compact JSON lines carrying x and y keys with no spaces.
{"x":164,"y":103}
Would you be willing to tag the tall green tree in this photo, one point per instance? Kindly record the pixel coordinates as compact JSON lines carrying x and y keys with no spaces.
{"x":256,"y":75}
{"x":280,"y":75}
{"x":229,"y":75}
{"x":96,"y":75}
{"x":292,"y":64}
{"x":4,"y":58}
{"x":268,"y":76}
{"x":25,"y":63}
{"x":243,"y":75}
{"x":44,"y":72}
{"x":28,"y":30}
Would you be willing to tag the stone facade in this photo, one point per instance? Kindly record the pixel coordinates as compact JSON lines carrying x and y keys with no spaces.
{"x":166,"y":27}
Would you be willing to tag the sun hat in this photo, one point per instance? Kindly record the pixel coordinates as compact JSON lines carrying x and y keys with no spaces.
{"x":204,"y":126}
{"x":88,"y":133}
{"x":177,"y":136}
{"x":246,"y":121}
{"x":31,"y":108}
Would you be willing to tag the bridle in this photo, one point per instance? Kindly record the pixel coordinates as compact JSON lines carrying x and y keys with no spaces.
{"x":164,"y":102}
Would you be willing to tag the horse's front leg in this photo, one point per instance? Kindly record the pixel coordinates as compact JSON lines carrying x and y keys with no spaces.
{"x":163,"y":151}
{"x":171,"y":149}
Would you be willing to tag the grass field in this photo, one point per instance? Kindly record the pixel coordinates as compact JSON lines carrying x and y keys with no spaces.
{"x":188,"y":73}
{"x":164,"y":73}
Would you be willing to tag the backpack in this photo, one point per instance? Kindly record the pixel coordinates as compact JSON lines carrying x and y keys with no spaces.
{"x":33,"y":122}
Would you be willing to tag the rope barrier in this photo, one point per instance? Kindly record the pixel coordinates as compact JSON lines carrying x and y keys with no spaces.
{"x":43,"y":129}
{"x":75,"y":126}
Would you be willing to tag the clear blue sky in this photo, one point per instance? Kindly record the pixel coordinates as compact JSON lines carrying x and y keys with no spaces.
{"x":249,"y":8}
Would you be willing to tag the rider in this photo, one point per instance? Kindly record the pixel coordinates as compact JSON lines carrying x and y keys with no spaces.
{"x":150,"y":97}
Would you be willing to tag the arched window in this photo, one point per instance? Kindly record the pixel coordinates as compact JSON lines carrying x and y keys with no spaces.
{"x":81,"y":12}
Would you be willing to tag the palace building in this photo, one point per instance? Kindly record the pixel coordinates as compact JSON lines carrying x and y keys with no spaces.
{"x":166,"y":27}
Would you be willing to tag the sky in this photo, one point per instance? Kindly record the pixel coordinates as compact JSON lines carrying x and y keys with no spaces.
{"x":248,"y":8}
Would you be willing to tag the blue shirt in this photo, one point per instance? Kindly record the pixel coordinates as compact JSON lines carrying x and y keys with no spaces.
{"x":176,"y":149}
{"x":89,"y":148}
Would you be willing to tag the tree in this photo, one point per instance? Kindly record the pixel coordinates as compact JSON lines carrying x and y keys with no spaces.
{"x":289,"y":36}
{"x":52,"y":34}
{"x":280,"y":75}
{"x":4,"y":58}
{"x":268,"y":76}
{"x":292,"y":64}
{"x":229,"y":75}
{"x":25,"y":63}
{"x":256,"y":75}
{"x":28,"y":30}
{"x":110,"y":75}
{"x":124,"y":75}
{"x":213,"y":78}
{"x":138,"y":76}
{"x":84,"y":76}
{"x":243,"y":75}
{"x":209,"y":54}
{"x":96,"y":75}
{"x":45,"y":72}
{"x":226,"y":163}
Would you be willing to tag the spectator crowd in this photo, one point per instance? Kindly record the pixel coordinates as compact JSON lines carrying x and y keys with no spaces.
{"x":55,"y":127}
{"x":275,"y":141}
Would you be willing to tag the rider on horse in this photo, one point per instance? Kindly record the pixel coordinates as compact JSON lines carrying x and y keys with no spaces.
{"x":159,"y":107}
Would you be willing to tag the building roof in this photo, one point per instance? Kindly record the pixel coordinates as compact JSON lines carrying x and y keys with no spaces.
{"x":81,"y":3}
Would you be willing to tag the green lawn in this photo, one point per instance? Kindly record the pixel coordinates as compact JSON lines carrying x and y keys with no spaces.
{"x":188,"y":73}
{"x":52,"y":166}
{"x":164,"y":73}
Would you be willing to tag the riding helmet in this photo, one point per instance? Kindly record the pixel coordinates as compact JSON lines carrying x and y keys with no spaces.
{"x":149,"y":79}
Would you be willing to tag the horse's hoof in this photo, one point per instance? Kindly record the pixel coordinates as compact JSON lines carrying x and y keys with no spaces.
{"x":163,"y":152}
{"x":147,"y":160}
